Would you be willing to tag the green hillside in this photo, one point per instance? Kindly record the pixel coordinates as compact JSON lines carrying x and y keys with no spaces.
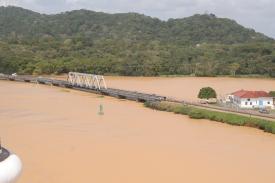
{"x":130,"y":44}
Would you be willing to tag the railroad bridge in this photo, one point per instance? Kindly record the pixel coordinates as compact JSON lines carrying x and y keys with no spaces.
{"x":96,"y":84}
{"x":88,"y":83}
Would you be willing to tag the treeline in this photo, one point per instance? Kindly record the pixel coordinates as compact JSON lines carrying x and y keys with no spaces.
{"x":148,"y":59}
{"x":130,"y":44}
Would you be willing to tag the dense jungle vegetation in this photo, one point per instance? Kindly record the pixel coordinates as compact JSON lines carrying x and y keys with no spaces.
{"x":130,"y":44}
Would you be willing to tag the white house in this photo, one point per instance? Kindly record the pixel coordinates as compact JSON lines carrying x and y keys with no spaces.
{"x":252,"y":99}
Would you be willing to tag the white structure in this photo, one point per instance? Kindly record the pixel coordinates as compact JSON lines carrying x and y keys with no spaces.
{"x":10,"y":166}
{"x":86,"y":80}
{"x":251,"y":99}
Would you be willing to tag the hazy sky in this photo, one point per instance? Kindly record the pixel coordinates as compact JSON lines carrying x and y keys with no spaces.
{"x":256,"y":14}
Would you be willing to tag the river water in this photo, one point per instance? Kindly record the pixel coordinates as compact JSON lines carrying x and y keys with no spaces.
{"x":188,"y":87}
{"x":61,"y":138}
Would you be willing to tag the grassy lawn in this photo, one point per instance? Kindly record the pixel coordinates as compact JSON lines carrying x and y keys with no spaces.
{"x":229,"y":118}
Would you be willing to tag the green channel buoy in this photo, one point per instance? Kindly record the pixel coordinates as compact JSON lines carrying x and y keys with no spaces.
{"x":101,"y":112}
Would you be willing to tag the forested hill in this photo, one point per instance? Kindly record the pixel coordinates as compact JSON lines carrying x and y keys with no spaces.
{"x":26,"y":24}
{"x":130,"y":44}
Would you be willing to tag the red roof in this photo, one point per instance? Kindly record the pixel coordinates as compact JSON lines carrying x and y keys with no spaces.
{"x":250,"y":94}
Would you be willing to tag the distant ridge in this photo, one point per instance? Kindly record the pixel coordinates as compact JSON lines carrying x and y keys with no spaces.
{"x":191,"y":30}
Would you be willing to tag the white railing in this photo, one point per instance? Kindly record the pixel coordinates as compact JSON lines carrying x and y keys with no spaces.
{"x":91,"y":81}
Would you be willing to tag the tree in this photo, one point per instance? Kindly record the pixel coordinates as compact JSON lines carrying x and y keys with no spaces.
{"x":272,"y":93}
{"x":207,"y":93}
{"x":233,"y":68}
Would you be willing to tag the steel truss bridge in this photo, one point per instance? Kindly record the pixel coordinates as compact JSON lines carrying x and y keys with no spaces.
{"x":96,"y":84}
{"x":86,"y":80}
{"x":88,"y":83}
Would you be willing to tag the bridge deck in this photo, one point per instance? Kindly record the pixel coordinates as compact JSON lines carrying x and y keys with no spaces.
{"x":123,"y":94}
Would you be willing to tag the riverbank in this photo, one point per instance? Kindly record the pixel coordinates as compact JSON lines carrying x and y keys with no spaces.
{"x":229,"y":118}
{"x":254,"y":76}
{"x":124,"y":94}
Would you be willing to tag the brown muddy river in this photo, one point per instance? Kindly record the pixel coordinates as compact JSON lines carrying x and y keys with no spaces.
{"x":60,"y":138}
{"x":188,"y":87}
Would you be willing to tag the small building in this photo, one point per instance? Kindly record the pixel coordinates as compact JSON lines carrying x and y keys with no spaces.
{"x":251,"y":99}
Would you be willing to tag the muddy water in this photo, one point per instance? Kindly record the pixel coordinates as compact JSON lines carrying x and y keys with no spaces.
{"x":61,"y":139}
{"x":188,"y":87}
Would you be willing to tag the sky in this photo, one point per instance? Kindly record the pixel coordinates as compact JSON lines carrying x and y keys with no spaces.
{"x":255,"y":14}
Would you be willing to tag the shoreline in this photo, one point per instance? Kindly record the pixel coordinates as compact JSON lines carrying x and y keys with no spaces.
{"x":165,"y":76}
{"x":218,"y":116}
{"x":140,"y":96}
